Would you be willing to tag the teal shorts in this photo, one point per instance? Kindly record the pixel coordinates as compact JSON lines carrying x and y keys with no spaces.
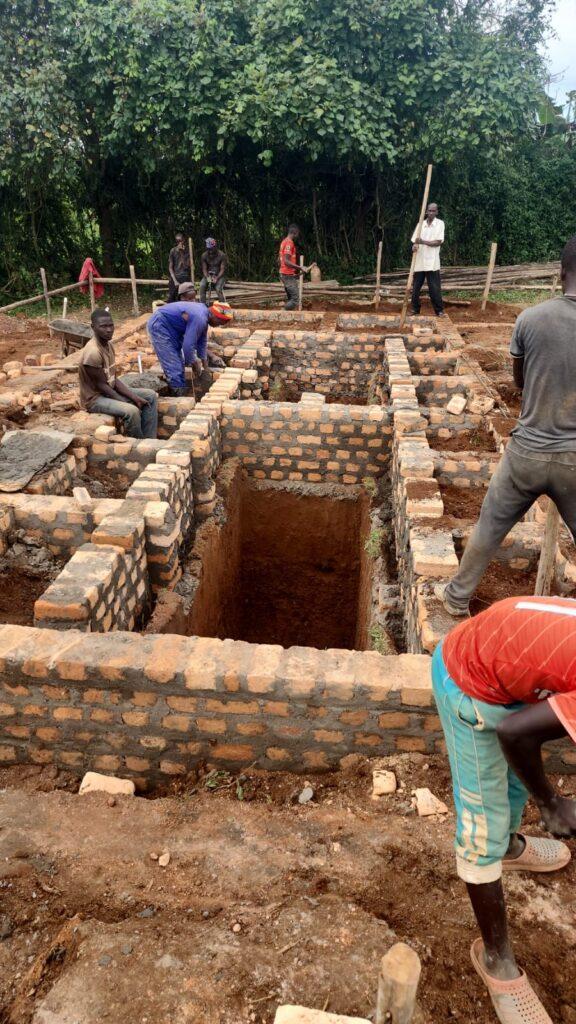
{"x":488,"y":795}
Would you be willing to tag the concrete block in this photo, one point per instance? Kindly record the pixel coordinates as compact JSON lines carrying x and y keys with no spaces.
{"x":302,"y":1015}
{"x":456,"y":405}
{"x":95,"y":783}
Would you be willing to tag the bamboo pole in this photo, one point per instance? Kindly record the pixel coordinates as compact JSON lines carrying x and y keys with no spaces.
{"x":191,"y":255}
{"x":135,"y":307}
{"x":548,"y":551}
{"x":39,"y":298}
{"x":91,"y":290}
{"x":414,"y":254}
{"x":491,"y":262}
{"x":46,"y":294}
{"x":397,"y":985}
{"x":301,"y":283}
{"x":378,"y":268}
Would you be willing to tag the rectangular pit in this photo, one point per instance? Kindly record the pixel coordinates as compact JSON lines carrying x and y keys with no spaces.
{"x":287,"y":567}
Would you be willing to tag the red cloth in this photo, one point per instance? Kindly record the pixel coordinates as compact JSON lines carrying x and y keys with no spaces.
{"x":520,"y":649}
{"x":287,"y":248}
{"x":89,"y":267}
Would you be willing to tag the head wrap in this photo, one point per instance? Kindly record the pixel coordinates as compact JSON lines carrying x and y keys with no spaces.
{"x":223,"y":311}
{"x":211,"y":243}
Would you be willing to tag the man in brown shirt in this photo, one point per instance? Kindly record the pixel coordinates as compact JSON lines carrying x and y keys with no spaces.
{"x":102,"y":391}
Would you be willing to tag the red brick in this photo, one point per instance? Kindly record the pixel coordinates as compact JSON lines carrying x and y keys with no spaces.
{"x":67,"y":714}
{"x":180,"y":723}
{"x":315,"y":759}
{"x":354,"y":717}
{"x":136,"y":718}
{"x":410,"y":743}
{"x":250,"y":728}
{"x":181,"y":703}
{"x":233,"y":707}
{"x":278,"y":754}
{"x":233,"y":752}
{"x":328,"y":736}
{"x":394,"y":720}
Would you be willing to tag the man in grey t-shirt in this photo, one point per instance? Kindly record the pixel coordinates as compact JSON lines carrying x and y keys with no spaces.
{"x":541,"y":454}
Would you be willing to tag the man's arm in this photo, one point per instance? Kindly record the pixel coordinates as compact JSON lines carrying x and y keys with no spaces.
{"x":195,"y":343}
{"x":521,"y":736}
{"x":518,"y":371}
{"x":205,"y":271}
{"x":171,"y":267}
{"x":98,"y":379}
{"x":223,"y":265}
{"x":433,"y":245}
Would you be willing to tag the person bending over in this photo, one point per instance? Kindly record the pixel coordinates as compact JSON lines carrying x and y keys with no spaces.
{"x":504,"y":684}
{"x":178,"y":332}
{"x":102,"y":391}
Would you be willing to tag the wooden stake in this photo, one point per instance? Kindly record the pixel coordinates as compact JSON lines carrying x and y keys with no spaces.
{"x":300,"y":284}
{"x":91,"y":290}
{"x":414,"y":254}
{"x":491,"y":262}
{"x":554,"y":286}
{"x":46,"y":295}
{"x":135,"y":307}
{"x":397,"y":985}
{"x":191,"y":255}
{"x":548,"y":551}
{"x":378,"y":268}
{"x":64,"y":307}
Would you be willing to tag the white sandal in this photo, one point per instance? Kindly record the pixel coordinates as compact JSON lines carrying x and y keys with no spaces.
{"x":515,"y":1001}
{"x":540,"y":855}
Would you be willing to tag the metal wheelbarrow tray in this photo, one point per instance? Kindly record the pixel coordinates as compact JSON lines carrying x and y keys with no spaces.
{"x":73,"y":335}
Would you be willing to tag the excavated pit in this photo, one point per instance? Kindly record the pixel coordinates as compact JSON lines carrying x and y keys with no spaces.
{"x":285,"y":565}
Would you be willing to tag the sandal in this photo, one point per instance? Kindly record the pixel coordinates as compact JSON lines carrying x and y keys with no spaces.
{"x":541,"y":855}
{"x":515,"y":1001}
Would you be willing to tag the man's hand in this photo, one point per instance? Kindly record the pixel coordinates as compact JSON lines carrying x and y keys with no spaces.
{"x":559,"y":816}
{"x":140,"y":403}
{"x":197,"y":367}
{"x":414,"y":247}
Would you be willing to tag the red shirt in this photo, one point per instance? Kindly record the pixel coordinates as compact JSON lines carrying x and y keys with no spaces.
{"x":287,"y":248}
{"x":521,"y":649}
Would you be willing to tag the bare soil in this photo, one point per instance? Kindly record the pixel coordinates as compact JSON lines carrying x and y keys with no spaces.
{"x":101,"y":483}
{"x":264,"y":901}
{"x":462,"y":502}
{"x":475,"y":441}
{"x":20,"y":588}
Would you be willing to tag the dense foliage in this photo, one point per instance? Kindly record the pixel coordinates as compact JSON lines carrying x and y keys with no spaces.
{"x":122,"y":121}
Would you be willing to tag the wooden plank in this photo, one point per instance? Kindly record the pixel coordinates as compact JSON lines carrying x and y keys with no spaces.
{"x":91,"y":290}
{"x":491,"y":262}
{"x":548,"y":551}
{"x":301,"y":283}
{"x":414,"y":254}
{"x":398,"y":985}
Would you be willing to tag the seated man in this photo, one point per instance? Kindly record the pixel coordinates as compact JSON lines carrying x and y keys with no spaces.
{"x":102,"y":391}
{"x":213,"y":270}
{"x":179,"y":335}
{"x":504,"y":684}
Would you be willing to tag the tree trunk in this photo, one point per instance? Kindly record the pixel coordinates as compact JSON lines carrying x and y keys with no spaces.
{"x":105,"y":224}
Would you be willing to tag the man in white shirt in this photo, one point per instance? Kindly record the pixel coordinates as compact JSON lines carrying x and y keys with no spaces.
{"x":426,"y":245}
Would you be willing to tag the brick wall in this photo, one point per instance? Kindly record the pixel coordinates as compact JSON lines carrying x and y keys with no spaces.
{"x":58,"y":522}
{"x":153,"y":706}
{"x":319,"y":444}
{"x":463,"y":469}
{"x":333,"y":363}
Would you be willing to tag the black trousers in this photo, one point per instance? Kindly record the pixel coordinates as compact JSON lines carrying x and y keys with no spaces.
{"x":432,"y":278}
{"x":173,"y":289}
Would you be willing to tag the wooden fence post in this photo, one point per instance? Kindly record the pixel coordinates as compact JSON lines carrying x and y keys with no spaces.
{"x":378,"y":269}
{"x":554,"y":286}
{"x":491,"y":262}
{"x":46,"y":295}
{"x":414,"y":254}
{"x":548,"y":551}
{"x":64,"y":307}
{"x":91,"y":290}
{"x":135,"y":307}
{"x":191,"y":255}
{"x":300,"y":284}
{"x":397,"y":985}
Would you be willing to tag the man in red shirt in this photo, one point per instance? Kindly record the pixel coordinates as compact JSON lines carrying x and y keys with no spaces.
{"x":290,"y":269}
{"x":505,"y":683}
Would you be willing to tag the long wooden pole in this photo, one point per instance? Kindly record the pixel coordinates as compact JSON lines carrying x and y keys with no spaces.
{"x":300,"y":284}
{"x":548,"y":551}
{"x":91,"y":290}
{"x":378,"y":269}
{"x":414,"y":254}
{"x":46,"y":295}
{"x":398,"y":985}
{"x":135,"y":307}
{"x":491,"y":262}
{"x":191,"y":255}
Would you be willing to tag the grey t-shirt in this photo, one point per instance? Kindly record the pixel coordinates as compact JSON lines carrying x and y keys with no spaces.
{"x":545,"y":336}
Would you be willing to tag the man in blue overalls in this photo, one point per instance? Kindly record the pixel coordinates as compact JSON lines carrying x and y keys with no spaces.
{"x":178,"y":332}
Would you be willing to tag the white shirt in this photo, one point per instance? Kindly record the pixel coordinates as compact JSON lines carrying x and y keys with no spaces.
{"x":428,"y":257}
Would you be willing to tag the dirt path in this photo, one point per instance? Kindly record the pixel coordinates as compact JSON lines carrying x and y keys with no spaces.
{"x":264,"y":901}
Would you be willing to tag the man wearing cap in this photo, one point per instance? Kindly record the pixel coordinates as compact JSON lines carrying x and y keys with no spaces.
{"x":213,"y":270}
{"x":178,"y":267}
{"x":178,"y":332}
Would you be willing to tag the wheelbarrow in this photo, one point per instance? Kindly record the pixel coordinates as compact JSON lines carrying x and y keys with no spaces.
{"x":73,"y":335}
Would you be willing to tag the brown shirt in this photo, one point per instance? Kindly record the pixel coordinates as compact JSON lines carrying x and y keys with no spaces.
{"x":95,"y":353}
